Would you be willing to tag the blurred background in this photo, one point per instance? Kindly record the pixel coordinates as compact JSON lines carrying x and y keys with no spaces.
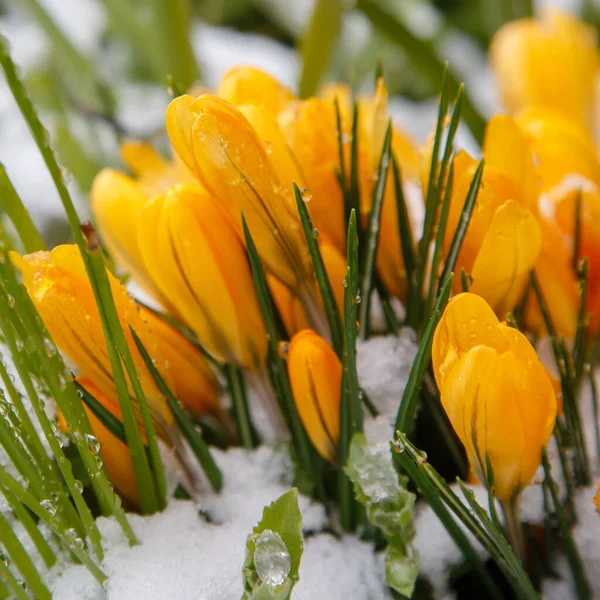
{"x":103,"y":70}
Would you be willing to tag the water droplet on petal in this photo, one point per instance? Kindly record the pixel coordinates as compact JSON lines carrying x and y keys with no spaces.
{"x":283,"y":348}
{"x":305,"y":194}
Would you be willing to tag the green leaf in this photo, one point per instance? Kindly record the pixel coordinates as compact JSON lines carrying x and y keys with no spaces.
{"x":372,"y":233}
{"x":389,"y":507}
{"x":183,"y":420}
{"x":331,"y":309}
{"x":318,"y":42}
{"x":239,"y":403}
{"x":273,"y":551}
{"x":408,"y":404}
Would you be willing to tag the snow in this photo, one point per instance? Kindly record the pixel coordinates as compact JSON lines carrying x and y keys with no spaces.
{"x":182,"y":556}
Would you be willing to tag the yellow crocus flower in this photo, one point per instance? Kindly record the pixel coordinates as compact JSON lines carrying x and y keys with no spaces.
{"x":60,"y":289}
{"x":315,"y":374}
{"x":503,"y":239}
{"x":193,"y":254}
{"x":220,"y":146}
{"x":549,"y":61}
{"x":495,"y":391}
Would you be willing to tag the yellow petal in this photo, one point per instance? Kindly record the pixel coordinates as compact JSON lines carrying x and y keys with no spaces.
{"x":195,"y":384}
{"x":561,"y":146}
{"x":315,"y":374}
{"x":192,"y":252}
{"x":311,"y":131}
{"x":232,"y":163}
{"x":248,"y":85}
{"x":508,"y":254}
{"x":273,"y":140}
{"x":506,"y":150}
{"x":480,"y":398}
{"x":551,"y":61}
{"x":468,"y":321}
{"x":142,"y":158}
{"x":59,"y":287}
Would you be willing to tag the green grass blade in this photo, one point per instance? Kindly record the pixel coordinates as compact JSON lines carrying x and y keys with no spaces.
{"x":305,"y":451}
{"x":12,"y":582}
{"x":429,"y":491}
{"x":183,"y":419}
{"x":354,"y":190}
{"x":407,"y":245}
{"x":439,"y":244}
{"x":486,"y":534}
{"x":318,"y":43}
{"x":102,"y":414}
{"x":22,"y":561}
{"x":372,"y":234}
{"x":463,"y":224}
{"x":10,"y":202}
{"x":582,"y":330}
{"x":331,"y":309}
{"x":239,"y":401}
{"x":582,"y":585}
{"x":408,"y":404}
{"x":350,"y":308}
{"x":115,"y":339}
{"x":422,"y":55}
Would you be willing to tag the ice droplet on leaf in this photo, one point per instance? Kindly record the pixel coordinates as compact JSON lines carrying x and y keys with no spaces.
{"x":271,"y":558}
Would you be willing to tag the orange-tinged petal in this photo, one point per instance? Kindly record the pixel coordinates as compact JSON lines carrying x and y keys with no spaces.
{"x":597,"y":498}
{"x":311,"y":131}
{"x":195,"y":384}
{"x":289,"y":306}
{"x":232,"y":163}
{"x":193,"y":254}
{"x":506,"y":150}
{"x":248,"y":85}
{"x":114,"y":453}
{"x":59,"y":287}
{"x":315,"y":374}
{"x":506,"y":257}
{"x":555,"y":274}
{"x":551,"y":61}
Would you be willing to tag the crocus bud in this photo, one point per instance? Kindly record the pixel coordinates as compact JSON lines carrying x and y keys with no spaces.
{"x":550,"y":61}
{"x":220,"y":146}
{"x":195,"y":383}
{"x":194,"y":255}
{"x":315,"y":374}
{"x":503,"y":238}
{"x":495,"y":391}
{"x":60,"y":289}
{"x":250,"y":86}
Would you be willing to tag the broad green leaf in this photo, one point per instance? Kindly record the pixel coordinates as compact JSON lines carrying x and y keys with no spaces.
{"x":273,"y":551}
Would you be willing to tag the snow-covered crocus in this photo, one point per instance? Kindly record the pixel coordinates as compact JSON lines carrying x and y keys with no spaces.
{"x":496,"y":393}
{"x":193,"y":254}
{"x":503,"y":238}
{"x":315,"y":374}
{"x":60,"y":289}
{"x":549,"y":61}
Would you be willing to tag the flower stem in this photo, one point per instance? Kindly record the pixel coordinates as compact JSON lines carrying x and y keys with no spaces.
{"x":514,"y":529}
